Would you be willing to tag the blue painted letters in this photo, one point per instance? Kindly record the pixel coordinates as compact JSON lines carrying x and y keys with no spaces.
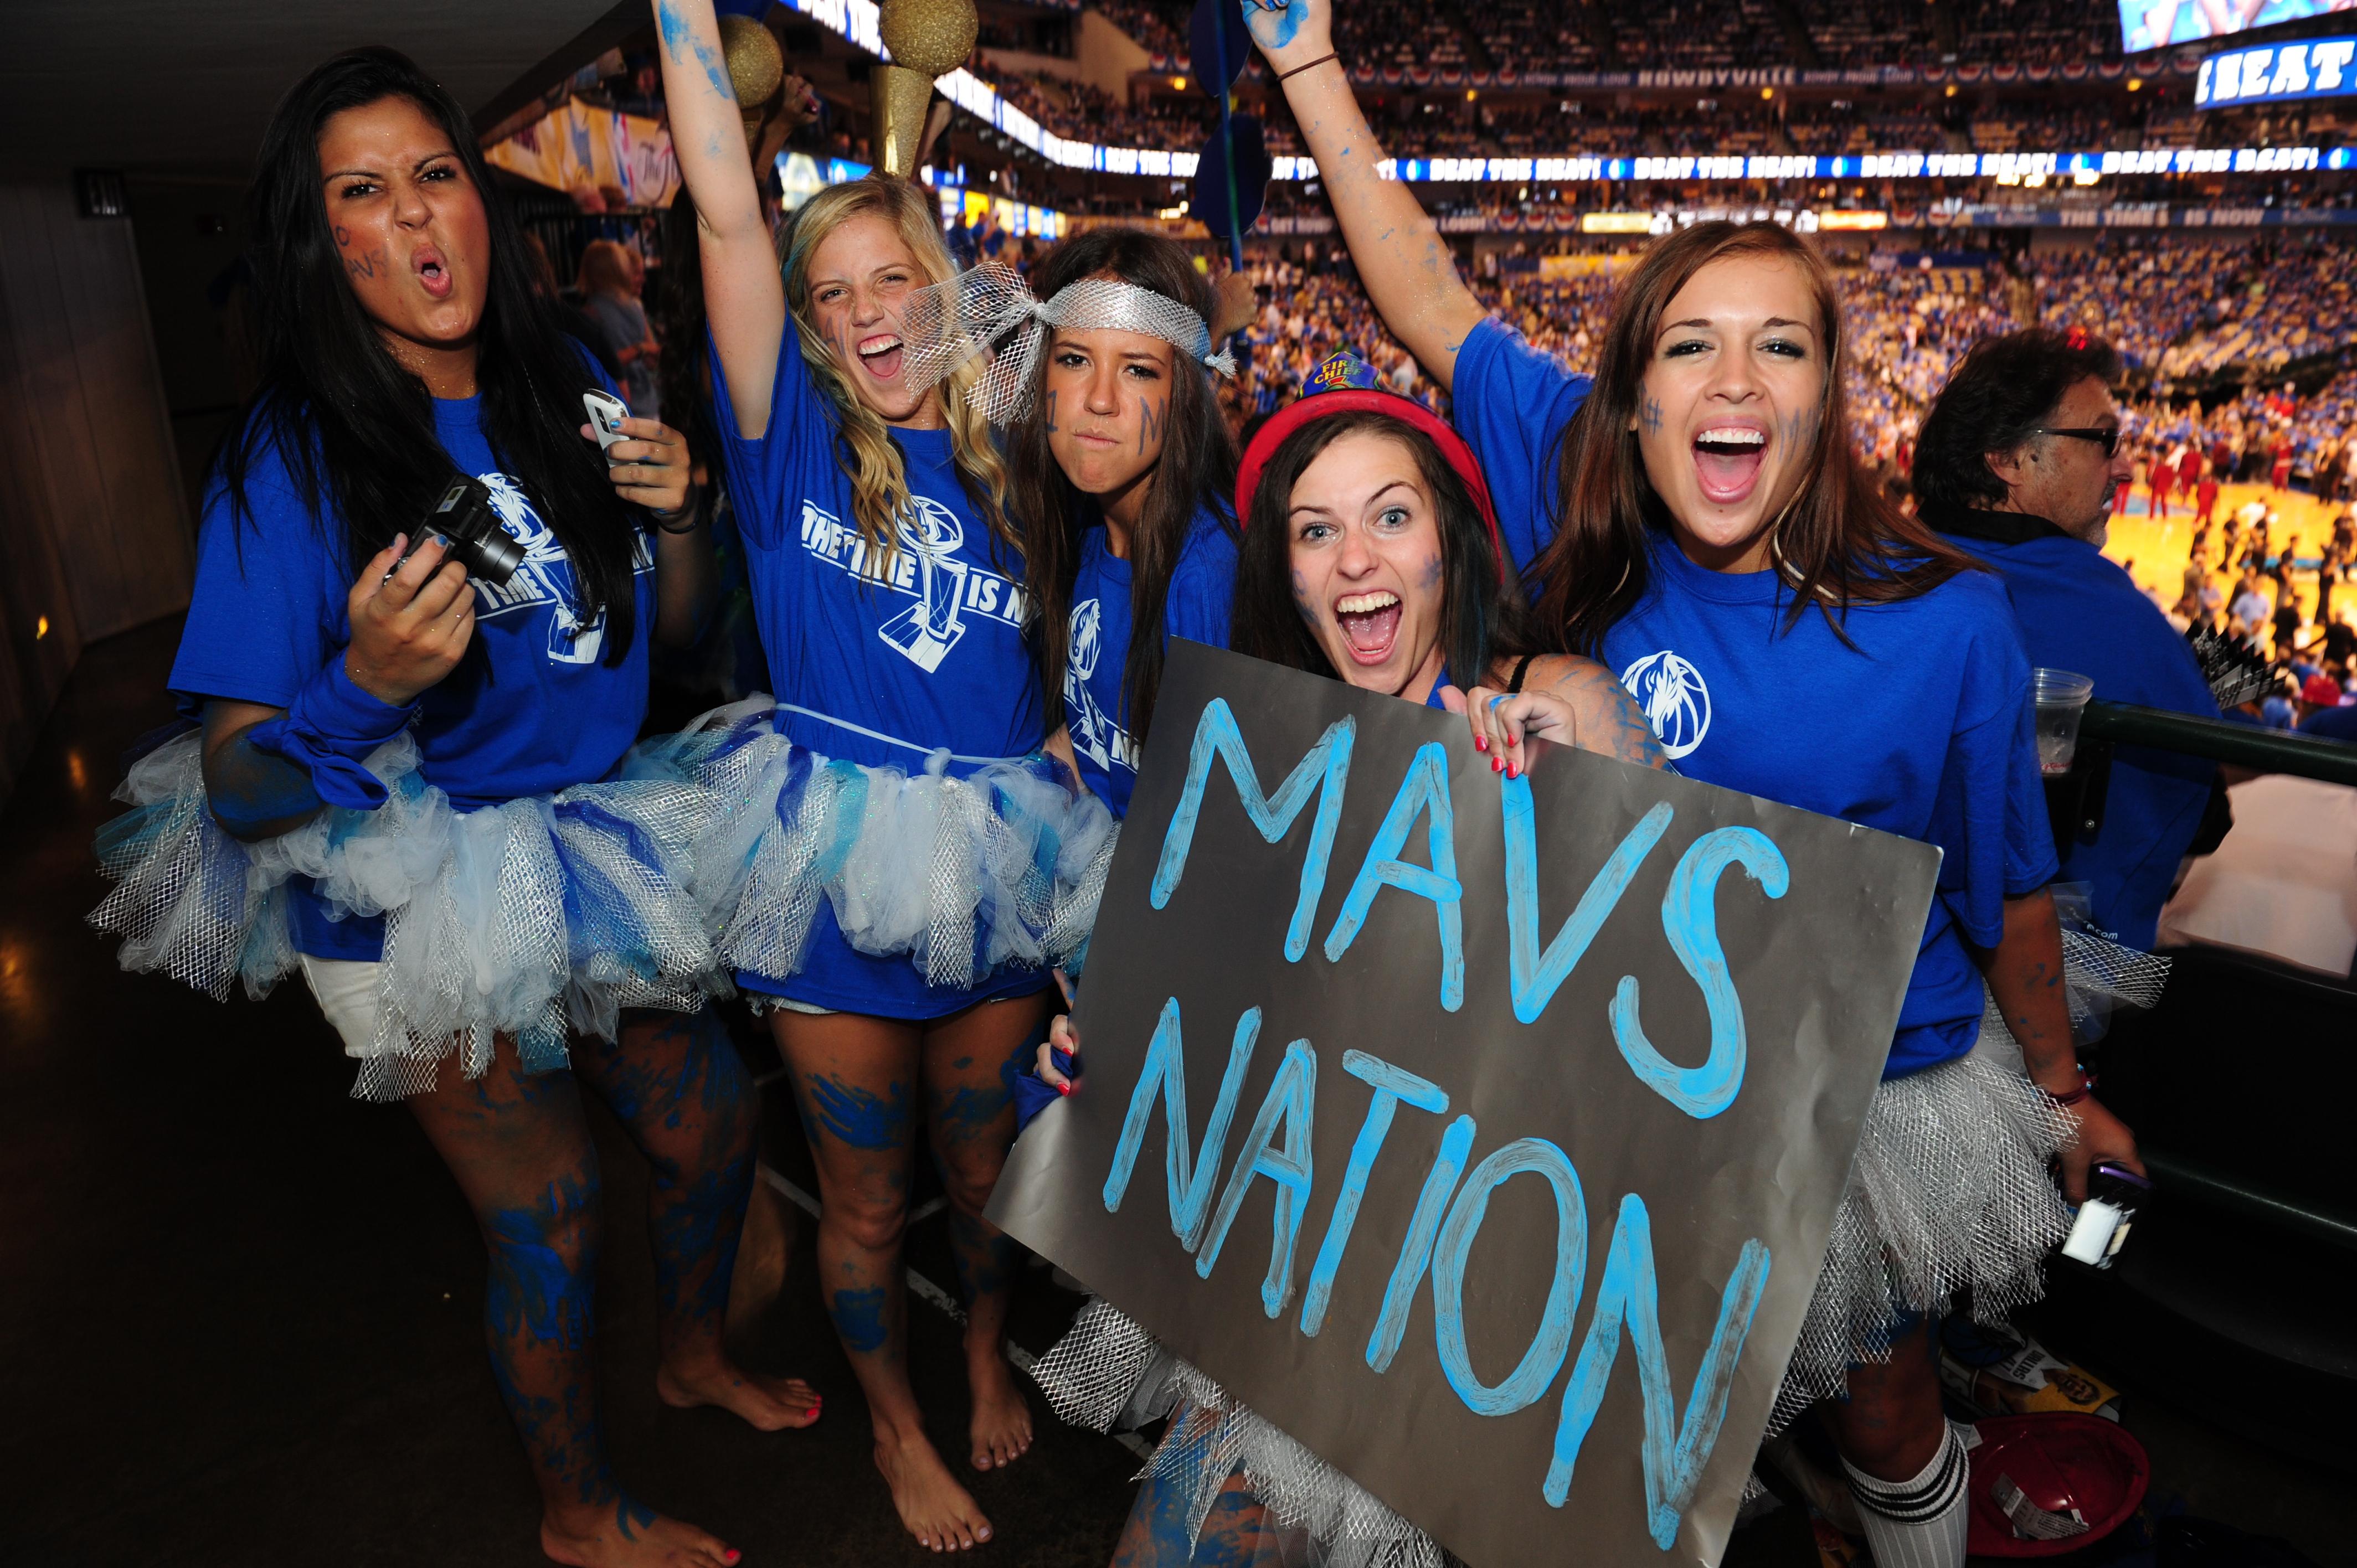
{"x":1539,"y":1363}
{"x":1327,"y":769}
{"x":1292,"y":1098}
{"x":1391,"y":1085}
{"x":1674,"y":1456}
{"x":1536,"y":978}
{"x":1415,"y":1251}
{"x":1191,"y":1177}
{"x":1690,"y":917}
{"x":1425,"y":790}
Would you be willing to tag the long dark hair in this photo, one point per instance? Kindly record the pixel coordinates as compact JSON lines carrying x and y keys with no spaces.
{"x":1197,"y":468}
{"x":1483,"y":618}
{"x":1839,"y":541}
{"x":355,"y":430}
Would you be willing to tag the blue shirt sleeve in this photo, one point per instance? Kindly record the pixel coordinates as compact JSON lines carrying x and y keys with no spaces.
{"x":268,"y":608}
{"x":761,"y":469}
{"x":1989,"y":815}
{"x":1510,"y":402}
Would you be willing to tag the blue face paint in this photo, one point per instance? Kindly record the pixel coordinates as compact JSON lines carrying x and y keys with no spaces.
{"x":1325,"y":770}
{"x":1391,"y":1085}
{"x":1536,"y":978}
{"x":859,"y":1318}
{"x":856,"y":1115}
{"x":1543,"y":1358}
{"x":1425,"y":790}
{"x":1689,"y":914}
{"x":1191,"y":1174}
{"x":1415,"y":1250}
{"x":1675,"y":1453}
{"x":1292,"y":1099}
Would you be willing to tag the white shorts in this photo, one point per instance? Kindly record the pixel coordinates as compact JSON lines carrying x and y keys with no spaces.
{"x":346,"y":991}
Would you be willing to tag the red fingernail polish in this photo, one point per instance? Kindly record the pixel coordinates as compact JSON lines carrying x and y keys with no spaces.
{"x":1513,"y":772}
{"x":1480,"y":743}
{"x":1063,"y":1089}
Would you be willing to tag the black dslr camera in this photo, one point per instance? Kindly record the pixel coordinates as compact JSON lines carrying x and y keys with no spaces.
{"x":467,"y":525}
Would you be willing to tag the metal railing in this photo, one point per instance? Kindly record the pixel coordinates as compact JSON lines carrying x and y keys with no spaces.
{"x":2110,"y":725}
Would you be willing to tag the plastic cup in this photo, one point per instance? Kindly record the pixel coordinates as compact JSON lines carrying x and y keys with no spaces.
{"x":2061,"y":697}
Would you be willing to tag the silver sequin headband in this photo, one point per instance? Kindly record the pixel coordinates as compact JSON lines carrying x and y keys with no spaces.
{"x":989,"y":309}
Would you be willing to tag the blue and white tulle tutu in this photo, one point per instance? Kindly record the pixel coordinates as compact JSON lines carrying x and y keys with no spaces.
{"x":534,"y":919}
{"x":963,"y":874}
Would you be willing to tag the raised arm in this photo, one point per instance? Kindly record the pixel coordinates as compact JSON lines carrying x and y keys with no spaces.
{"x":744,"y":299}
{"x":1401,"y":257}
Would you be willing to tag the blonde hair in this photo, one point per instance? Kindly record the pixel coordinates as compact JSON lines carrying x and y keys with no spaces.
{"x":605,"y":269}
{"x":879,"y":482}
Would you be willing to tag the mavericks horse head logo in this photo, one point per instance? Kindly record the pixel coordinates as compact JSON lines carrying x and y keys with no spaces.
{"x":1676,"y":699}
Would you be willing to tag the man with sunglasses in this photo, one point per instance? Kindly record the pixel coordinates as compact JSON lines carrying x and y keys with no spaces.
{"x":2016,"y":462}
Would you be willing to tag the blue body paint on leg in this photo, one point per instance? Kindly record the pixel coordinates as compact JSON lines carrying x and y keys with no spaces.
{"x":860,"y":1317}
{"x":858,"y":1116}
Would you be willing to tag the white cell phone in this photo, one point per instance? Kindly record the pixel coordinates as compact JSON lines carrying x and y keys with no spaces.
{"x":605,"y":417}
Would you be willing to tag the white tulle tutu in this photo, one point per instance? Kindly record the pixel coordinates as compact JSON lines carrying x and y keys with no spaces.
{"x":1109,"y":1375}
{"x":534,"y":919}
{"x":965,"y":876}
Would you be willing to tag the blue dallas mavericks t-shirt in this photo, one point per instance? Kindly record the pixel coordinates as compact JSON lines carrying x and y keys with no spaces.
{"x":530,"y":709}
{"x":1924,"y":728}
{"x":1202,"y":589}
{"x":876,"y":660}
{"x":2080,"y":612}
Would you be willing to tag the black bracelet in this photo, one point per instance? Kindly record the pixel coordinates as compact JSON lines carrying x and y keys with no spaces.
{"x":692,"y":512}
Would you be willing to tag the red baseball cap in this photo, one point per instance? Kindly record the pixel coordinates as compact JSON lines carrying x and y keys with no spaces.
{"x":2320,"y":692}
{"x":1322,"y":402}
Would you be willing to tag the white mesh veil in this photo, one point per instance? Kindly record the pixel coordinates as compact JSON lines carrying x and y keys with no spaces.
{"x":989,"y":310}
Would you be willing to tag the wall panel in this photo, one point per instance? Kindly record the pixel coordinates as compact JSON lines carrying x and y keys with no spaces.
{"x":94,"y":529}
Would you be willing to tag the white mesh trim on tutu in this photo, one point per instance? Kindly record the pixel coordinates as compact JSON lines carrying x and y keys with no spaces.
{"x":534,"y":919}
{"x":1949,"y":1192}
{"x":948,"y":324}
{"x":962,"y":875}
{"x":1108,"y":1374}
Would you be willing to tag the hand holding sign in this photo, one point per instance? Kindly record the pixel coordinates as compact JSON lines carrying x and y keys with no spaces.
{"x":1396,"y":1118}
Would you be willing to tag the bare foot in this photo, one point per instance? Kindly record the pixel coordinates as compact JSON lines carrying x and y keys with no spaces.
{"x":939,"y":1513}
{"x":771,"y":1404}
{"x":1001,"y":1421}
{"x":631,"y":1535}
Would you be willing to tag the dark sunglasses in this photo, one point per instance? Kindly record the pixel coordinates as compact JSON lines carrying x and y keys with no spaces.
{"x":2106,"y":435}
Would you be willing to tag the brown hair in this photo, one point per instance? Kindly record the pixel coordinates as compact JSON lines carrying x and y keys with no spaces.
{"x":1838,"y":540}
{"x":1482,"y":617}
{"x":1197,"y":470}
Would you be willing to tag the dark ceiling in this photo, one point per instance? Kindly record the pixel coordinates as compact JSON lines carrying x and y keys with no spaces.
{"x":185,"y":86}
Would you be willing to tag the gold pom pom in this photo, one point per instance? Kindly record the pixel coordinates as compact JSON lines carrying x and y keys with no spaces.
{"x":756,"y":67}
{"x":930,"y":36}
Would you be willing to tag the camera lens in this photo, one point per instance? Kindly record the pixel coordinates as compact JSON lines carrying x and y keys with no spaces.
{"x":494,"y":556}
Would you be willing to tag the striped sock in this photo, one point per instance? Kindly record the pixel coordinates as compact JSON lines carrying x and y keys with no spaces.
{"x":1917,"y":1522}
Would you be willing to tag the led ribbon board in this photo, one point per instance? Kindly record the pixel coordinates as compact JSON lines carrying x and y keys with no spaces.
{"x":854,"y":20}
{"x":1484,"y":1135}
{"x":2272,"y":73}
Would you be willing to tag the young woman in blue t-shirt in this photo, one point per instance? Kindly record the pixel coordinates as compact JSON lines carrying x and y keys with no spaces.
{"x":1371,"y":555}
{"x":1788,"y":634}
{"x":1126,"y":466}
{"x":899,"y":863}
{"x":412,"y":760}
